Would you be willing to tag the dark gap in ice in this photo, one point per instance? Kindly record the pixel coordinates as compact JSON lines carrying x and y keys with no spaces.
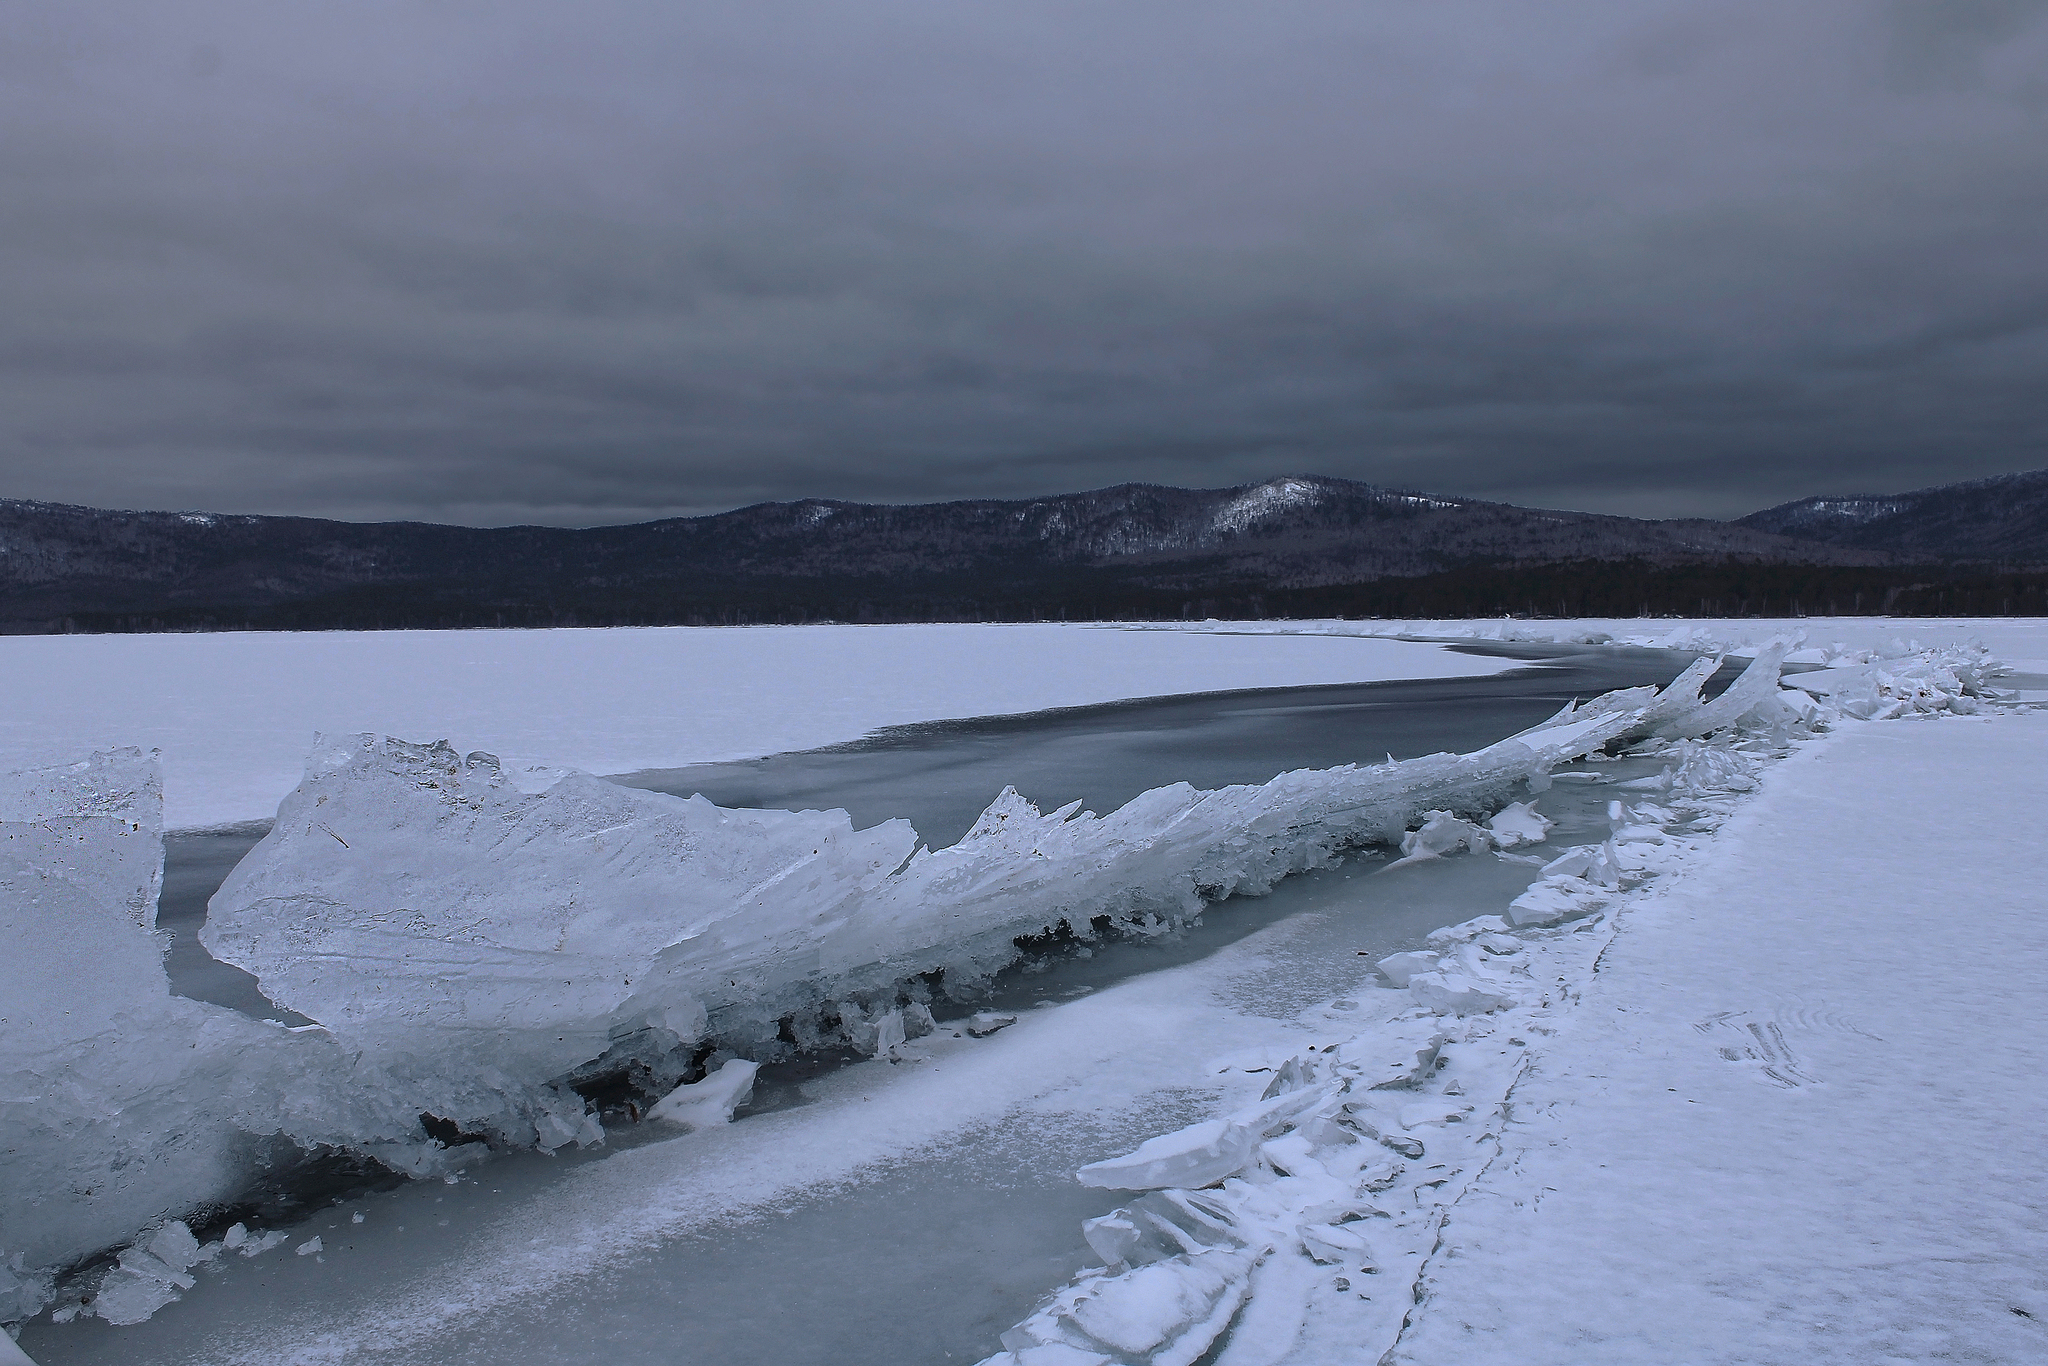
{"x":941,"y":775}
{"x":447,"y":1132}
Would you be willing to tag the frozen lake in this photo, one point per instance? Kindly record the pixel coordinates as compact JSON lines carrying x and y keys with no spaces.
{"x":824,"y":1225}
{"x":234,"y":713}
{"x":940,"y":775}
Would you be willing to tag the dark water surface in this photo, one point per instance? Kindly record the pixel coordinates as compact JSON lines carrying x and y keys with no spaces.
{"x":941,"y":775}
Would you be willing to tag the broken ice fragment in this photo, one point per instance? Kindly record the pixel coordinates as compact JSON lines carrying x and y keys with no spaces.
{"x":1359,"y":1116}
{"x":1201,"y":1154}
{"x":1422,"y":1062}
{"x":144,"y":1264}
{"x":174,"y":1245}
{"x":889,"y":1035}
{"x":1593,"y":862}
{"x":710,"y":1102}
{"x":984,"y":1023}
{"x":1166,"y":1313}
{"x":311,"y":1246}
{"x":1440,"y":833}
{"x":253,"y":1247}
{"x":1159,"y":1225}
{"x":1400,"y":967}
{"x":125,"y":1298}
{"x":1467,"y":930}
{"x":1518,"y":823}
{"x":1455,"y":993}
{"x":1049,"y":1354}
{"x":1329,"y":1243}
{"x":1552,"y":900}
{"x":1432,"y":1112}
{"x":1292,"y":1075}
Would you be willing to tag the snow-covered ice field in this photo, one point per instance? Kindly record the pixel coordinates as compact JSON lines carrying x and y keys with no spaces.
{"x":1753,"y":1080}
{"x":1797,"y":1114}
{"x":235,"y":713}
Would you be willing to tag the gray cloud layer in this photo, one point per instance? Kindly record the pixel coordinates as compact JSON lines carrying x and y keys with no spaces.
{"x":596,"y":262}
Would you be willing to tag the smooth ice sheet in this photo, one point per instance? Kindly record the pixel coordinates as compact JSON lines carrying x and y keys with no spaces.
{"x":234,"y":712}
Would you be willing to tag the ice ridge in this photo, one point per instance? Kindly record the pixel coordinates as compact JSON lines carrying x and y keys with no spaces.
{"x":473,"y":951}
{"x":479,"y":943}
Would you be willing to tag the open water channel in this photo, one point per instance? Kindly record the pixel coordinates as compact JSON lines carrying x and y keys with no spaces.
{"x":822,"y":1227}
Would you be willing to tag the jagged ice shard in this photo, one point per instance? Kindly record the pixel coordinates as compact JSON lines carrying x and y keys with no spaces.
{"x":478,"y":943}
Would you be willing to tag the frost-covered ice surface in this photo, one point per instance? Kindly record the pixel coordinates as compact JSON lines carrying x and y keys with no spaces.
{"x":466,"y":945}
{"x":458,"y":862}
{"x":233,"y":713}
{"x":1702,"y":1110}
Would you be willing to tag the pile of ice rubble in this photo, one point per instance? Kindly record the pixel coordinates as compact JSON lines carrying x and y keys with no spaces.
{"x":1300,"y":1225}
{"x":473,"y":952}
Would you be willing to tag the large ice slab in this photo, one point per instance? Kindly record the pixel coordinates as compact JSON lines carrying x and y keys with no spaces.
{"x":417,"y":902}
{"x":123,"y":1107}
{"x":116,"y":1098}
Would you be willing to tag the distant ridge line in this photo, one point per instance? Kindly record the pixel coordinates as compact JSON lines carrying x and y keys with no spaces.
{"x":1295,"y":545}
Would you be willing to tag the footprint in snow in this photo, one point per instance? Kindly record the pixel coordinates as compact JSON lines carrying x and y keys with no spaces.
{"x":1746,"y":1038}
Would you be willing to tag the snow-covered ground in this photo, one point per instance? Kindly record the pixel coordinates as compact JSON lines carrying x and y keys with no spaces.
{"x":1796,"y":1115}
{"x":235,"y":714}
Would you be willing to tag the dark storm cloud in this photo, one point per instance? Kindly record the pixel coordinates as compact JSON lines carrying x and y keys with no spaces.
{"x":597,"y":262}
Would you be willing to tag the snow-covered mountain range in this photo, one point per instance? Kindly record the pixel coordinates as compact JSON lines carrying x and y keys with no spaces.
{"x":1300,"y":543}
{"x":2004,"y":519}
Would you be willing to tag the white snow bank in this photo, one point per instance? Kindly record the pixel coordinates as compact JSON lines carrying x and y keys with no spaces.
{"x":1316,"y":1201}
{"x":232,"y":713}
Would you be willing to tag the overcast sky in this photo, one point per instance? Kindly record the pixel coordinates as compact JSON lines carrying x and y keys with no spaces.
{"x":595,"y":262}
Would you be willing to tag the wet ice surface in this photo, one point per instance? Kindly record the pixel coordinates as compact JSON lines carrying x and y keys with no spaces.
{"x":940,"y":776}
{"x":194,"y":867}
{"x":924,"y":1256}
